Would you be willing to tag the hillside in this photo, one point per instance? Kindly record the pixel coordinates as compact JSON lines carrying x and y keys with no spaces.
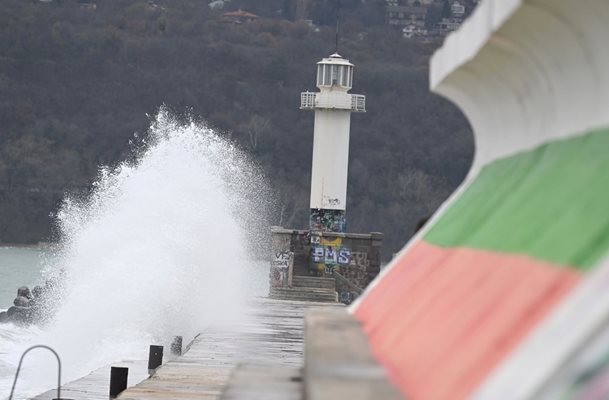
{"x":76,"y":83}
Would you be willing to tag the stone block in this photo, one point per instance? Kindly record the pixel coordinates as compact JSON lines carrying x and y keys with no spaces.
{"x":338,"y":360}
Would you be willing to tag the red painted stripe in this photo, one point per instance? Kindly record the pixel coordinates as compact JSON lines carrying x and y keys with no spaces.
{"x":441,"y":319}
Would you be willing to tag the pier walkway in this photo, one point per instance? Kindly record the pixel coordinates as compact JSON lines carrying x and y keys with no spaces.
{"x":95,"y":386}
{"x":264,"y":353}
{"x":271,"y":339}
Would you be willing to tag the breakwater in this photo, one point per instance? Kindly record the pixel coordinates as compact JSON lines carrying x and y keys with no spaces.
{"x":30,"y":306}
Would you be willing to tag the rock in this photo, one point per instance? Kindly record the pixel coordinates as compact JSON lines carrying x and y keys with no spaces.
{"x":25,"y":292}
{"x":21,"y":301}
{"x":3,"y":317}
{"x":19,"y":314}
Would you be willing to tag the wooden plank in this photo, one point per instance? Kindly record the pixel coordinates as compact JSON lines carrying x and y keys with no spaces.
{"x":268,"y":342}
{"x":96,"y":385}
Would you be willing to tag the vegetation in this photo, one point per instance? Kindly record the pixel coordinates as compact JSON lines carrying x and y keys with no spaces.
{"x":76,"y":83}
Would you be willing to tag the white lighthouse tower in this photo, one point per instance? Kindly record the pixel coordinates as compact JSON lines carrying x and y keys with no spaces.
{"x":333,"y":106}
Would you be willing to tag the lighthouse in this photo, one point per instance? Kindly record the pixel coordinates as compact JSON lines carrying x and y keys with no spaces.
{"x":326,"y":258}
{"x":333,"y":106}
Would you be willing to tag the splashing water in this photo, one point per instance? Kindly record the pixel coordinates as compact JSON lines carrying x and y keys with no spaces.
{"x":162,"y":247}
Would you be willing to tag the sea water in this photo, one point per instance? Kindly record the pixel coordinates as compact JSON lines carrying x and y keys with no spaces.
{"x":19,"y":266}
{"x":168,"y":243}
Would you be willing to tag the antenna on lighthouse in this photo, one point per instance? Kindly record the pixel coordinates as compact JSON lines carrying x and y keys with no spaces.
{"x":337,"y":24}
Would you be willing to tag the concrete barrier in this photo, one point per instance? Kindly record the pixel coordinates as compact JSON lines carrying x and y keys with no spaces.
{"x":338,"y":362}
{"x":503,"y":294}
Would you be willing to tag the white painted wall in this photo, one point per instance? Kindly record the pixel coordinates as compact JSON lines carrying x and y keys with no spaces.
{"x":330,"y":159}
{"x":525,"y":72}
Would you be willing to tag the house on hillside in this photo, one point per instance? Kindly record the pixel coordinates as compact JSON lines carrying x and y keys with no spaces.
{"x":447,"y":25}
{"x":457,"y":10}
{"x":238,"y":17}
{"x":414,"y":32}
{"x":420,"y":19}
{"x":406,"y":15}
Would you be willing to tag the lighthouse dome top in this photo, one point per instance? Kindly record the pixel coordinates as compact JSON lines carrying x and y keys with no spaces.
{"x":335,"y":59}
{"x":335,"y":72}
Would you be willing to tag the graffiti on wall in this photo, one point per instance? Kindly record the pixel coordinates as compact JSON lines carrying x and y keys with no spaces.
{"x":357,"y":269}
{"x":328,"y":254}
{"x":280,"y":268}
{"x":330,"y":201}
{"x":282,"y":259}
{"x":356,"y":273}
{"x":346,"y":296}
{"x":327,"y":220}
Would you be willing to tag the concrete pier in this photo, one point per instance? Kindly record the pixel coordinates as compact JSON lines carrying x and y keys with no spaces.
{"x":271,"y":339}
{"x":261,"y":358}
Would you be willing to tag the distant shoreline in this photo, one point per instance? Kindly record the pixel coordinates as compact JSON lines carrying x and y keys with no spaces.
{"x":39,"y":245}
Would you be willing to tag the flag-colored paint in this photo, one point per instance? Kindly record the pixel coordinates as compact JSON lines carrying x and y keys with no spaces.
{"x":506,"y":252}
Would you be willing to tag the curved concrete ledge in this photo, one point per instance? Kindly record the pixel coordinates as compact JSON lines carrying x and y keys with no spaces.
{"x":532,"y":76}
{"x":526,"y":72}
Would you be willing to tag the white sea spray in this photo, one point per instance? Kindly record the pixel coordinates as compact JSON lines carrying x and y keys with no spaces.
{"x":166,"y":244}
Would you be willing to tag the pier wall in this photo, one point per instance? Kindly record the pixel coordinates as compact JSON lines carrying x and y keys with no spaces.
{"x":356,"y":256}
{"x":503,"y":295}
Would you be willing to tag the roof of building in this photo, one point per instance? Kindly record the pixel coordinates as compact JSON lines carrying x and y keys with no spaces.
{"x":335,"y":59}
{"x":240,"y":14}
{"x":407,"y":9}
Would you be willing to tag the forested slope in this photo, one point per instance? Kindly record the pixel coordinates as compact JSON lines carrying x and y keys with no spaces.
{"x":77,"y":83}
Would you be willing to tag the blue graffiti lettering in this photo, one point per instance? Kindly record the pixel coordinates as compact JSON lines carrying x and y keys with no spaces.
{"x":344,"y":256}
{"x":317,"y":255}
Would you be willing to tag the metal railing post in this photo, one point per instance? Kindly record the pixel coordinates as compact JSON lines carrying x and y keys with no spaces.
{"x":41,"y":346}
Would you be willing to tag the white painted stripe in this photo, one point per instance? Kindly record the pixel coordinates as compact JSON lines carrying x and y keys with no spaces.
{"x":555,"y":342}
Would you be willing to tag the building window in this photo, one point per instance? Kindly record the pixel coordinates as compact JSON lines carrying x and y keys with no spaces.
{"x":327,"y":76}
{"x":344,"y":76}
{"x":320,"y":75}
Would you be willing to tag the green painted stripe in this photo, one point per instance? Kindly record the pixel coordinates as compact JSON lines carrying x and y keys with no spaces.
{"x":551,"y":203}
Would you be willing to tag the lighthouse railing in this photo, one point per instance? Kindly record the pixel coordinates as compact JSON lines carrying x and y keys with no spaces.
{"x":358,"y":103}
{"x":333,"y":101}
{"x":307,"y":100}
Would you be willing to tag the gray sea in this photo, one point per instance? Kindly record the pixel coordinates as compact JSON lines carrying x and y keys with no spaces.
{"x":19,"y":266}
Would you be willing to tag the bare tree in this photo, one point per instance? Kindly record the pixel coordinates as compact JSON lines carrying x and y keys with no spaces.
{"x":255,"y":127}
